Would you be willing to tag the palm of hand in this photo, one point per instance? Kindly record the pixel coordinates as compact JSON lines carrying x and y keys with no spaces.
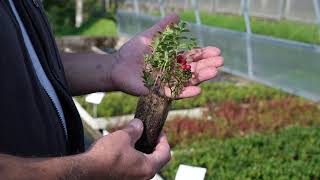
{"x":127,"y":71}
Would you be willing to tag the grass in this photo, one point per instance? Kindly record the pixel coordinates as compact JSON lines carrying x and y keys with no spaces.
{"x":297,"y":31}
{"x":93,"y":27}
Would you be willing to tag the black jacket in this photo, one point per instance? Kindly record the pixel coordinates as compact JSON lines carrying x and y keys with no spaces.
{"x":29,"y":124}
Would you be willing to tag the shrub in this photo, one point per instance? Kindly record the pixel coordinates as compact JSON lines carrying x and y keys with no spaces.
{"x":292,"y":153}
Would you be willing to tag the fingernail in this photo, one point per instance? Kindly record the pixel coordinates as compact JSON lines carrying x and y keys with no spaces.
{"x":136,"y":123}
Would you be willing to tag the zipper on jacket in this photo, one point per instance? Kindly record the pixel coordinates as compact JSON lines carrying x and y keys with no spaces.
{"x":36,"y":3}
{"x":57,"y":112}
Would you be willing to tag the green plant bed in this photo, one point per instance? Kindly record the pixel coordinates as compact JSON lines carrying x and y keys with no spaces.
{"x":292,"y":153}
{"x":93,"y":27}
{"x":232,"y":119}
{"x":117,"y":103}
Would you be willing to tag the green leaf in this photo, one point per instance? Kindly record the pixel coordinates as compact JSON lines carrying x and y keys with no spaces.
{"x":163,"y":59}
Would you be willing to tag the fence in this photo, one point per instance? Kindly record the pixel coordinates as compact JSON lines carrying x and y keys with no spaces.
{"x":291,"y":66}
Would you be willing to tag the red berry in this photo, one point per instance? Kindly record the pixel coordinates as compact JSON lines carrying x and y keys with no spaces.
{"x":183,"y":62}
{"x":183,"y":67}
{"x":188,"y":67}
{"x":181,"y":59}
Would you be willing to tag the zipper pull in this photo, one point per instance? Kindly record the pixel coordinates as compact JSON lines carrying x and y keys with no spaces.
{"x":36,"y":3}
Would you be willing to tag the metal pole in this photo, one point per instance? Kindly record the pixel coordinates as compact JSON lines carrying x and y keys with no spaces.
{"x":162,"y":11}
{"x":212,"y":6}
{"x":316,"y":4}
{"x":245,"y":10}
{"x":246,"y":16}
{"x":242,"y":4}
{"x":282,"y":9}
{"x":287,"y":9}
{"x":196,"y":11}
{"x":198,"y":22}
{"x":137,"y":13}
{"x":136,"y":6}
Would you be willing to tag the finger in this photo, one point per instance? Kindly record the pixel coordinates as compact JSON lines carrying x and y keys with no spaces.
{"x":203,"y":75}
{"x":209,"y":62}
{"x":134,"y":129}
{"x":190,"y":91}
{"x":161,"y":155}
{"x":162,"y":24}
{"x":187,"y":92}
{"x":203,"y":53}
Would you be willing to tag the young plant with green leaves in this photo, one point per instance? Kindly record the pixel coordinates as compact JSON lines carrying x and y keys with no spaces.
{"x":167,"y":66}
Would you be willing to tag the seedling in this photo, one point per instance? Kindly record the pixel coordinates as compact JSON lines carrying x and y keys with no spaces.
{"x":169,"y":67}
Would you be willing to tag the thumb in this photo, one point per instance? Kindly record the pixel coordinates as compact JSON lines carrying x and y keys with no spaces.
{"x":134,"y":130}
{"x":162,"y":24}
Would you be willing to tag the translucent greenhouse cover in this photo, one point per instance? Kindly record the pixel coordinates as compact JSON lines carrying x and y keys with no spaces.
{"x":291,"y":66}
{"x":297,"y":10}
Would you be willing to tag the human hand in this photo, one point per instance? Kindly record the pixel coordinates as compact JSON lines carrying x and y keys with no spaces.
{"x":114,"y":156}
{"x":127,"y":70}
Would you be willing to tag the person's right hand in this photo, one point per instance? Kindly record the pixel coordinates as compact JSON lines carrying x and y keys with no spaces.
{"x":114,"y":156}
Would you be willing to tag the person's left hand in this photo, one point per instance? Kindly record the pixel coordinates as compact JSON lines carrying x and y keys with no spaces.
{"x":127,"y":70}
